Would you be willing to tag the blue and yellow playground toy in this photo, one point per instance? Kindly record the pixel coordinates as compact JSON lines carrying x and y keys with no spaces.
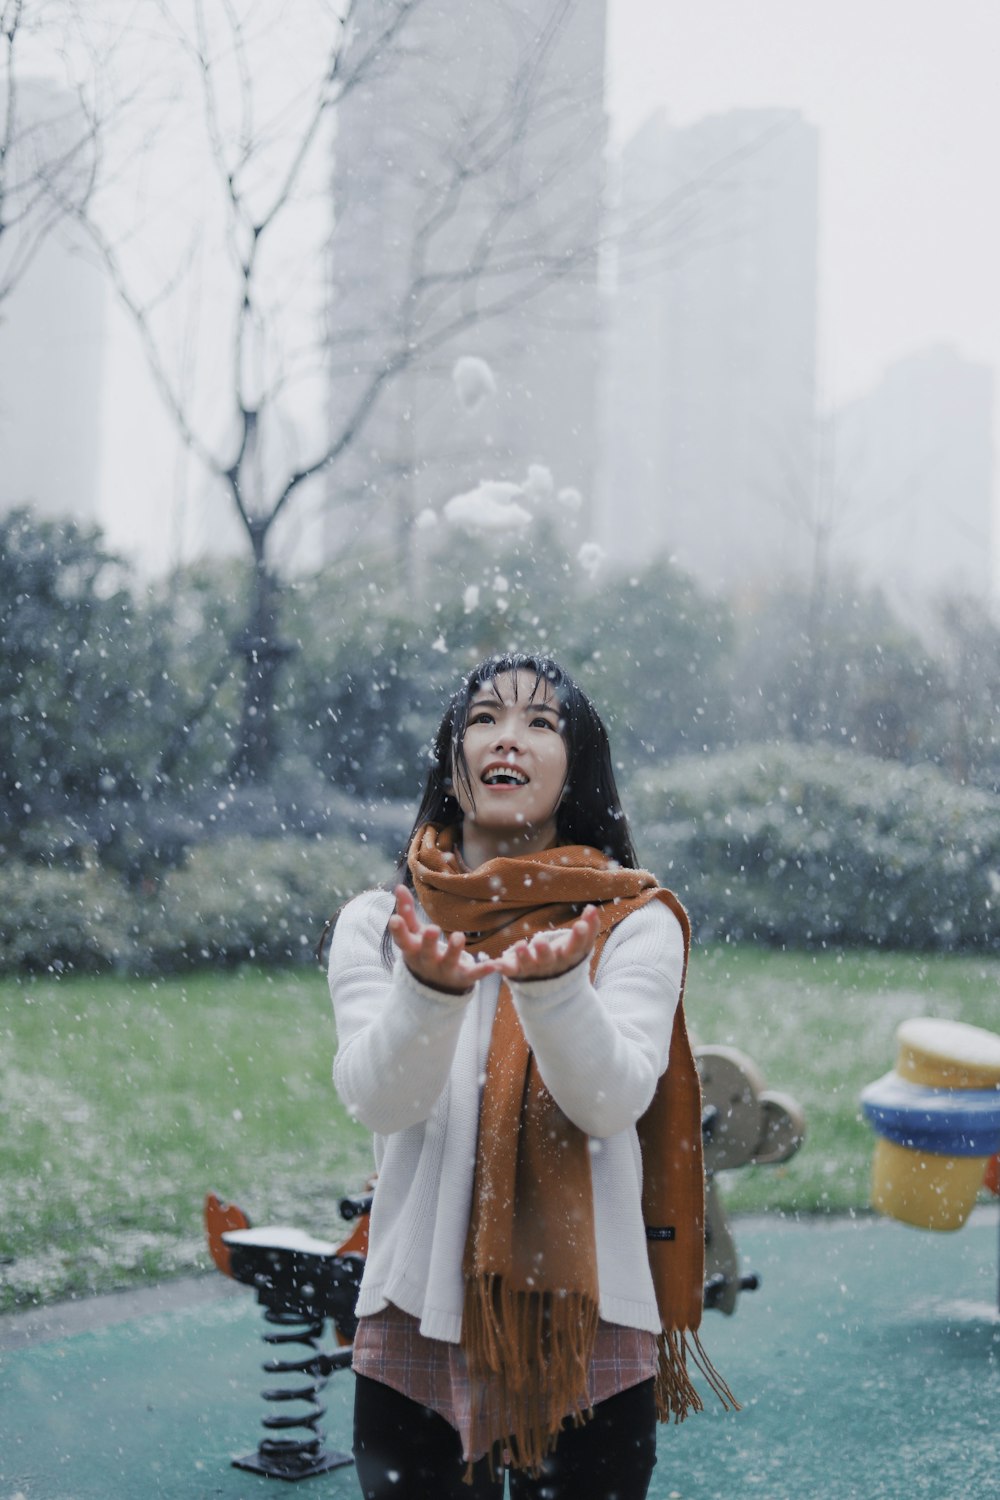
{"x":937,"y":1119}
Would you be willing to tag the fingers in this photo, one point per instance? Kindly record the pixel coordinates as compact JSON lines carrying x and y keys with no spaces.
{"x":434,"y":947}
{"x":442,"y":959}
{"x":549,"y":954}
{"x":407,"y":930}
{"x":438,"y":958}
{"x":406,"y":908}
{"x":588,"y":922}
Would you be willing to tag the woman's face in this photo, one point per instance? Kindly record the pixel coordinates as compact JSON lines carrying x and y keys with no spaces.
{"x":517,"y":759}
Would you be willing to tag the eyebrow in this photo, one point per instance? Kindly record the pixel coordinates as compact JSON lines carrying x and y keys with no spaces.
{"x":491,"y":700}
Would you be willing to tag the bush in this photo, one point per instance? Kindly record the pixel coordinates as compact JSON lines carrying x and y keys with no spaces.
{"x":233,"y":901}
{"x":262,"y":899}
{"x":810,"y":846}
{"x":60,"y":918}
{"x":781,"y":844}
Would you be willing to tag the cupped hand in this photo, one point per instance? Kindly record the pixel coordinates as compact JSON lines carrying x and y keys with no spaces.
{"x":436,"y":960}
{"x":549,"y":954}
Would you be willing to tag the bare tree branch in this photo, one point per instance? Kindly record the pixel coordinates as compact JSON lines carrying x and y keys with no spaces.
{"x":49,"y":143}
{"x":480,"y":239}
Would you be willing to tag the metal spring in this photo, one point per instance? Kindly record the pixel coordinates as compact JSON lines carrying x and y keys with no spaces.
{"x":306,"y":1334}
{"x":294,"y":1457}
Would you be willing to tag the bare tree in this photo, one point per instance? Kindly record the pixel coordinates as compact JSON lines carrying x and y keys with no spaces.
{"x":233,"y":325}
{"x":49,"y":135}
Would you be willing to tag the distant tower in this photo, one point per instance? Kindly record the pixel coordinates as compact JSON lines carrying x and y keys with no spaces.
{"x":915,"y":476}
{"x":710,"y":413}
{"x":52,"y":332}
{"x":488,"y":134}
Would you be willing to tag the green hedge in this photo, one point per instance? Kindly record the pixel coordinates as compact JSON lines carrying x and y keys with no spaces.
{"x":233,"y":901}
{"x":778,"y":844}
{"x":808,"y":846}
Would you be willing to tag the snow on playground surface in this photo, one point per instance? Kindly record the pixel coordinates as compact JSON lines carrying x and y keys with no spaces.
{"x":868,"y":1365}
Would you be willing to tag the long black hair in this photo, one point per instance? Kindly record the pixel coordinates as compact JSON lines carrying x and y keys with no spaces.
{"x":590,"y":811}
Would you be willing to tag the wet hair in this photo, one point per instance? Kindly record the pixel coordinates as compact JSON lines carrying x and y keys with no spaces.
{"x":590,"y":811}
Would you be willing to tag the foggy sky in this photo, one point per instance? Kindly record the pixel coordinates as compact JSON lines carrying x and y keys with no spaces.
{"x":905,"y":97}
{"x":904,"y":93}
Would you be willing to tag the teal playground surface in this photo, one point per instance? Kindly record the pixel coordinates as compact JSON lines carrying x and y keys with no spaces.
{"x":868,"y":1363}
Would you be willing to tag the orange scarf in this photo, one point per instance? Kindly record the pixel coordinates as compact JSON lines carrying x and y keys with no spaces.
{"x":531,"y":1298}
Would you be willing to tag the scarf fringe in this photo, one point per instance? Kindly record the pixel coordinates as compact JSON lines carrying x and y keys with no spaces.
{"x":538,"y":1346}
{"x":719,"y":1386}
{"x":676,"y":1395}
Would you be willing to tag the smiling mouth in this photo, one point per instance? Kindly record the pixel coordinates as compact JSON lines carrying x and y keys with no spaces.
{"x":504,"y":776}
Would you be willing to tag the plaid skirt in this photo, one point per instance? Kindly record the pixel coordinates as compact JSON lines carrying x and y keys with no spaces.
{"x":389,"y":1347}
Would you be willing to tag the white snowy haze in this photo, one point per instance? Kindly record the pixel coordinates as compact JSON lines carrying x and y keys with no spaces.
{"x":902,"y":101}
{"x":904,"y":96}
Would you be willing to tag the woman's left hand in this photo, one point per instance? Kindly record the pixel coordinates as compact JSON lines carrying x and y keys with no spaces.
{"x":549,"y":954}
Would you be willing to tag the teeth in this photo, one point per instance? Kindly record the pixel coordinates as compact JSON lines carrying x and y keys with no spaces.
{"x":505,"y":774}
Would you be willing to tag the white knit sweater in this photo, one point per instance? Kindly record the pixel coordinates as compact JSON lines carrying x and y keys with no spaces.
{"x":410,"y":1066}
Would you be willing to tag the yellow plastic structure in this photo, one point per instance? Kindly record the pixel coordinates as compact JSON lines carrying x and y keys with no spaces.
{"x":922,"y":1188}
{"x":948,"y":1054}
{"x":934,"y":1190}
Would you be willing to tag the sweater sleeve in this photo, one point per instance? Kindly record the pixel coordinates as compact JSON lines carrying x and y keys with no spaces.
{"x":396,"y":1037}
{"x":601,"y":1047}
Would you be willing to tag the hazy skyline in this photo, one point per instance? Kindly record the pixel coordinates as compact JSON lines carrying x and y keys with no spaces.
{"x":904,"y":98}
{"x":904,"y":95}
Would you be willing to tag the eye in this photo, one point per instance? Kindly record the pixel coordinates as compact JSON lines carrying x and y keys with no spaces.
{"x":542,"y":723}
{"x":481,"y":716}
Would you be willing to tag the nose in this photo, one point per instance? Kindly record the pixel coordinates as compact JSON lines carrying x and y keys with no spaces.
{"x":507,"y":741}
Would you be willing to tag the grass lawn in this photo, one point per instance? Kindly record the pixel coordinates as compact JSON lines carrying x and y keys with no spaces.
{"x":122,"y":1101}
{"x":820,"y":1026}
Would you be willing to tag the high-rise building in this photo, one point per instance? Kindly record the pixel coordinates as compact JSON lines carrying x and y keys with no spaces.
{"x":52,"y":329}
{"x":912,"y":507}
{"x":710,"y":410}
{"x":468,"y":194}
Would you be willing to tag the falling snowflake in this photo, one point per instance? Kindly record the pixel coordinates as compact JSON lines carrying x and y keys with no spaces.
{"x":539,"y":484}
{"x":491,"y":507}
{"x":426,"y":519}
{"x":474,"y":382}
{"x":470,"y":599}
{"x":590,"y":557}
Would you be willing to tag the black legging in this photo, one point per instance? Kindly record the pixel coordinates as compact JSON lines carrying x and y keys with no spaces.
{"x":405,"y":1451}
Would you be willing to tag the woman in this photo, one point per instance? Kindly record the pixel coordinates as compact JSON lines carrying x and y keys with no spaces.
{"x":534,"y":1278}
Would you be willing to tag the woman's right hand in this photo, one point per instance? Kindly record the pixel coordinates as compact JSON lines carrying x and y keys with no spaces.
{"x":438,"y":961}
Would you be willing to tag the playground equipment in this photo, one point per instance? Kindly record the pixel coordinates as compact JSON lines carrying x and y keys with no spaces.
{"x":301,"y":1281}
{"x":936,"y":1116}
{"x":742,"y":1124}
